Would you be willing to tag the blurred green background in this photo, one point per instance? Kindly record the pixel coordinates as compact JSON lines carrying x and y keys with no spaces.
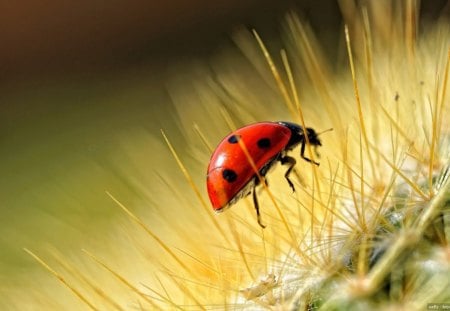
{"x":79,"y":78}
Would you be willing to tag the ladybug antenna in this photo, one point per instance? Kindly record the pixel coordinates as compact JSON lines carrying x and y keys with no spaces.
{"x":324,"y":131}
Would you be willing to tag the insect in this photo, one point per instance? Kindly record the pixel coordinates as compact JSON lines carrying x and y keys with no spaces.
{"x":231,"y":175}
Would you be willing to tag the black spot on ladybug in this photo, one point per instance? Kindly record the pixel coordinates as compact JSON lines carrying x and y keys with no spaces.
{"x":234,"y":139}
{"x":229,"y":175}
{"x":263,"y":143}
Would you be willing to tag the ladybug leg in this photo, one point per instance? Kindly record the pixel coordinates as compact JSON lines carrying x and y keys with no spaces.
{"x":291,"y":162}
{"x":302,"y":154}
{"x":256,"y":204}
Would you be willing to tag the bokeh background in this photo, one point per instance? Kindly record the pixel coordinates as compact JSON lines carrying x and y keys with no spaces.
{"x":78,"y":79}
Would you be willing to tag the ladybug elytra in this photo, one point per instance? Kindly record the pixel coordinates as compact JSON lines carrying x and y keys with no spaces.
{"x":231,"y":176}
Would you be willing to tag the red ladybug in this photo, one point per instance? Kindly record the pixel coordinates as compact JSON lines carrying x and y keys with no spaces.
{"x":230,"y":175}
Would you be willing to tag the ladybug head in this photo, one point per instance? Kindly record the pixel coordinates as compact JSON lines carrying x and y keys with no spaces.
{"x":313,"y":137}
{"x":299,"y":135}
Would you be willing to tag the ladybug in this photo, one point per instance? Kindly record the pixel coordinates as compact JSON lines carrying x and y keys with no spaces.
{"x":231,"y":176}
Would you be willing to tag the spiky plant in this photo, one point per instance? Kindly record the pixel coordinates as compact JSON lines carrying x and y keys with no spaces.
{"x":367,"y":230}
